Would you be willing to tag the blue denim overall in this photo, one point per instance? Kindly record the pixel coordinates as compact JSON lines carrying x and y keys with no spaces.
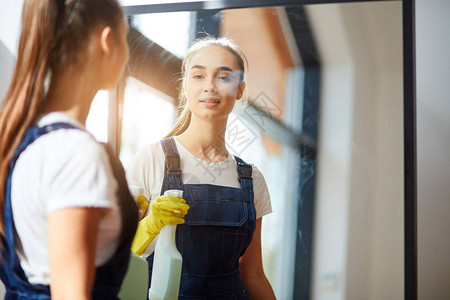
{"x":108,"y":277}
{"x":218,"y":229}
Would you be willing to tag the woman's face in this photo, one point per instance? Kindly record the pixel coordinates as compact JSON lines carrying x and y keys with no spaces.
{"x":212,"y":83}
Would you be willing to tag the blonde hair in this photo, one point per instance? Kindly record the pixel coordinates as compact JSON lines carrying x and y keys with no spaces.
{"x":184,"y":114}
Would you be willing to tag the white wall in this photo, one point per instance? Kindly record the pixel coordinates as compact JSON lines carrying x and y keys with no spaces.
{"x":378,"y":159}
{"x":381,"y":280}
{"x":10,"y":13}
{"x":336,"y":119}
{"x":358,"y":251}
{"x":433,"y":147}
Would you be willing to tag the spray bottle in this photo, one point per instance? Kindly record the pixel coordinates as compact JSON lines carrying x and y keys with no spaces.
{"x":167,"y":262}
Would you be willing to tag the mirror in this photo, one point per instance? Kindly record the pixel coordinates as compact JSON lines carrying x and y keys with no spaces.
{"x":324,"y":124}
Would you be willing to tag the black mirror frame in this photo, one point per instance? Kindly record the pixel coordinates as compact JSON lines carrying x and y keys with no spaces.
{"x":409,"y":108}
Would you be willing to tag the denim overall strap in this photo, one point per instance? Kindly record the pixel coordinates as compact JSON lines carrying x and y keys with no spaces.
{"x":245,"y":174}
{"x":245,"y":178}
{"x":172,"y":167}
{"x":108,"y":276}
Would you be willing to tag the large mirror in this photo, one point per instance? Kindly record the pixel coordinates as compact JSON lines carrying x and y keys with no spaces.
{"x":323,"y":121}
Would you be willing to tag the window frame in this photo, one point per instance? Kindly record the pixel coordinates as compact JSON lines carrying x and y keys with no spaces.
{"x":409,"y":108}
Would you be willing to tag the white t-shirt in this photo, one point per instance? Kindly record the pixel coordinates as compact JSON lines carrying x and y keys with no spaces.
{"x":62,"y":169}
{"x":146,"y":172}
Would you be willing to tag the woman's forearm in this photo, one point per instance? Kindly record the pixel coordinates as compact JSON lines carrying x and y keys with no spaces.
{"x":252,"y":271}
{"x":258,"y":287}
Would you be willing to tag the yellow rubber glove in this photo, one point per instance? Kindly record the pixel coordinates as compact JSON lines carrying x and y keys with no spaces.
{"x":164,"y":210}
{"x":143,"y":204}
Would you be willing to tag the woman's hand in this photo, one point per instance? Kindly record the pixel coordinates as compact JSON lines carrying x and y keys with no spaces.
{"x":164,"y":210}
{"x":142,"y":204}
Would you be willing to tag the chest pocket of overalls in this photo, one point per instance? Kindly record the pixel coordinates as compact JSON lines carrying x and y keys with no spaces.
{"x":214,"y":235}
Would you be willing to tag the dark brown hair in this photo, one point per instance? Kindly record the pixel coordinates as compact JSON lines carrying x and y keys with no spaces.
{"x":184,"y":118}
{"x":54,"y":33}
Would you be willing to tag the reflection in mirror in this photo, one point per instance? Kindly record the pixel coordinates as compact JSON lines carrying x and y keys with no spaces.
{"x":323,"y":123}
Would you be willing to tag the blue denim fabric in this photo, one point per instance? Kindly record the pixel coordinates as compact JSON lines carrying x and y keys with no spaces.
{"x":218,"y":229}
{"x":108,"y":276}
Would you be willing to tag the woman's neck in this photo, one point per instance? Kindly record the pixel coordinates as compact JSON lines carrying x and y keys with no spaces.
{"x":71,"y":93}
{"x":205,"y":139}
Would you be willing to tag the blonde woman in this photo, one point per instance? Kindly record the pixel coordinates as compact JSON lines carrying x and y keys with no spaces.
{"x":220,"y":240}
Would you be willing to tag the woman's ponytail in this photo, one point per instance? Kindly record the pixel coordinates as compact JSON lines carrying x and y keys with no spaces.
{"x":23,"y":99}
{"x":53,"y":34}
